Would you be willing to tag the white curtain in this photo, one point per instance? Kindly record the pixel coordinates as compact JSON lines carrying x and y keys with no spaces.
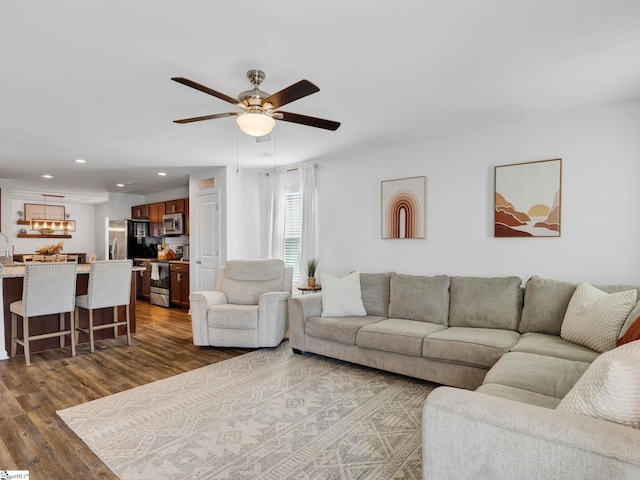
{"x":277,"y":204}
{"x":308,"y":218}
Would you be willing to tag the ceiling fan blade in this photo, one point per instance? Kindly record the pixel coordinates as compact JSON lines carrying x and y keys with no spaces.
{"x":207,"y":117}
{"x":309,"y":121}
{"x":202,"y":88}
{"x":291,"y":93}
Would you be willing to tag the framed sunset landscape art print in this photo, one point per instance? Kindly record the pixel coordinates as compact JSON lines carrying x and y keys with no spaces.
{"x":528,"y":199}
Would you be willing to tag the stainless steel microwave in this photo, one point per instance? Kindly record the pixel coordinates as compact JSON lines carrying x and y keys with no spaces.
{"x":173,"y":223}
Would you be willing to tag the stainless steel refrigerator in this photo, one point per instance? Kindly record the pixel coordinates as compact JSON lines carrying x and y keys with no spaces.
{"x":128,"y":239}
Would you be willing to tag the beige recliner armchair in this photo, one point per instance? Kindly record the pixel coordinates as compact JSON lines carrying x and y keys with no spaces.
{"x":248,"y":308}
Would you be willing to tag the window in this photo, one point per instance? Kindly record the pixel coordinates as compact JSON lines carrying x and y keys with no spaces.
{"x":292,"y":233}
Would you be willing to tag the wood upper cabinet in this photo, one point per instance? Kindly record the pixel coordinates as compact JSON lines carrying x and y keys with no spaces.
{"x":176,"y":206}
{"x":180,"y":284}
{"x":156,"y":211}
{"x":140,"y":212}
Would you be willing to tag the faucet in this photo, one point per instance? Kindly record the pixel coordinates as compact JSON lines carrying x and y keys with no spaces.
{"x":6,"y":240}
{"x":7,"y":252}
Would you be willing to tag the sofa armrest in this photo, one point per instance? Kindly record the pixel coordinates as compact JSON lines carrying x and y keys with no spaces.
{"x":301,"y":308}
{"x":200,"y":302}
{"x":470,"y":435}
{"x":272,"y":318}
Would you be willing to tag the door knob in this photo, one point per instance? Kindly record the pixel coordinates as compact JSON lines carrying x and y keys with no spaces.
{"x":198,"y":262}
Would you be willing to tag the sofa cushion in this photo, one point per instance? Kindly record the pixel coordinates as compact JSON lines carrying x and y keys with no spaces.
{"x":237,"y":317}
{"x":594,"y":318}
{"x":338,"y":329}
{"x":553,"y":346}
{"x":396,"y":335}
{"x":610,"y":388}
{"x":470,"y":346}
{"x":486,"y":302}
{"x":518,"y":395}
{"x":545,"y":303}
{"x":341,"y":297}
{"x":549,"y":376}
{"x":374,"y":289}
{"x":421,"y":298}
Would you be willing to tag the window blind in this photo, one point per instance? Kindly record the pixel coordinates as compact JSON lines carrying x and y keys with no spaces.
{"x":292,"y":234}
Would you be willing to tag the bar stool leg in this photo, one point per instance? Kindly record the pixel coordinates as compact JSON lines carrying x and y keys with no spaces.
{"x":91,"y":330}
{"x":72,"y":336}
{"x":128,"y":325}
{"x":115,"y":321}
{"x":14,"y":334}
{"x":25,"y":339}
{"x":77,"y":322}
{"x":62,"y":340}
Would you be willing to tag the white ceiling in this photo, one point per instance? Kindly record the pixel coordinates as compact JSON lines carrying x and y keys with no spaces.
{"x":91,"y":78}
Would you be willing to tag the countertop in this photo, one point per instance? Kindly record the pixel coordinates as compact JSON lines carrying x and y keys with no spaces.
{"x":183,"y":262}
{"x":83,"y":268}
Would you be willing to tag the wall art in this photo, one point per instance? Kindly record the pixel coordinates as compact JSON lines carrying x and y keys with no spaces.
{"x":404,"y":208}
{"x":528,"y":199}
{"x":43,"y":211}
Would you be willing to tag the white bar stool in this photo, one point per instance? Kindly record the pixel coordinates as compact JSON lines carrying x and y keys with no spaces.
{"x":48,"y":288}
{"x":109,"y":286}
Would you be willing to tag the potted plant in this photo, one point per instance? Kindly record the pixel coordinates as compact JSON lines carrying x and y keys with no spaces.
{"x":312,"y":265}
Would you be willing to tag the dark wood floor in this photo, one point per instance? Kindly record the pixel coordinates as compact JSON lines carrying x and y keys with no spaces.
{"x":34,"y":438}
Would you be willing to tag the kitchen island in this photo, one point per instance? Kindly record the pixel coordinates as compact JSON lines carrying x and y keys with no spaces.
{"x":11,"y":279}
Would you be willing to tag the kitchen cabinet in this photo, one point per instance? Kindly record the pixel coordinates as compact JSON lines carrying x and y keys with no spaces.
{"x":180,"y":284}
{"x":156,"y":211}
{"x":140,"y":212}
{"x":143,"y":279}
{"x":175,"y":206}
{"x":180,"y":205}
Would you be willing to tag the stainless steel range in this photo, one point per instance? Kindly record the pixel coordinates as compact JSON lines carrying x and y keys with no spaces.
{"x":160,"y":282}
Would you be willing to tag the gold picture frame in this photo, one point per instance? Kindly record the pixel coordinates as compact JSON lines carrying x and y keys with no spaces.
{"x":528,"y":199}
{"x":43,"y":211}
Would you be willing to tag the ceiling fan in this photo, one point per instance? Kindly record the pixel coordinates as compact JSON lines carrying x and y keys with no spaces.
{"x":260,"y":110}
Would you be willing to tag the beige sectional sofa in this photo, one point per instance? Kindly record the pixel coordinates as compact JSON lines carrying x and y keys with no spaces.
{"x":498,"y":341}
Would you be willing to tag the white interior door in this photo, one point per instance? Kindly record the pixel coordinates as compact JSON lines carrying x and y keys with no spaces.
{"x":207,"y":261}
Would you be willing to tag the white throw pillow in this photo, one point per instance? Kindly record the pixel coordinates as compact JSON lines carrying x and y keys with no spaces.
{"x":341,"y":297}
{"x":610,"y":388}
{"x":594,"y":318}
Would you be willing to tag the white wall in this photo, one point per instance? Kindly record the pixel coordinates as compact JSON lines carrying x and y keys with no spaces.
{"x":119,"y":205}
{"x":102,"y":247}
{"x":243,"y":214}
{"x":164,"y":196}
{"x":83,"y":240}
{"x":600,"y":240}
{"x":6,"y":194}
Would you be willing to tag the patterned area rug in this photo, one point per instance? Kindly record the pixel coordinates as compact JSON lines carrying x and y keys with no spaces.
{"x":269,"y":414}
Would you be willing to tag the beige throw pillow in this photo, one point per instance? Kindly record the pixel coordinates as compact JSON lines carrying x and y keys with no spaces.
{"x":341,"y":297}
{"x":594,"y":318}
{"x":610,"y":388}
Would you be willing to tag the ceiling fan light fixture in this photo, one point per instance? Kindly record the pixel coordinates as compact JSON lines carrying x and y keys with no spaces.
{"x":256,"y":124}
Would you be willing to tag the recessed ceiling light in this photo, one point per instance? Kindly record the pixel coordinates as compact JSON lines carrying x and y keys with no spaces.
{"x":80,"y":160}
{"x":162,"y":174}
{"x":119,"y":184}
{"x":47,"y":176}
